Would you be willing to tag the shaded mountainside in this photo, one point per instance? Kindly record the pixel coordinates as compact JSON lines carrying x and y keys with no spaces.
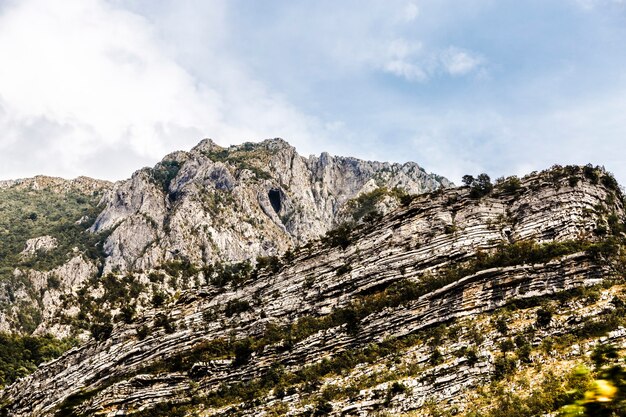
{"x":405,"y":314}
{"x":77,"y":255}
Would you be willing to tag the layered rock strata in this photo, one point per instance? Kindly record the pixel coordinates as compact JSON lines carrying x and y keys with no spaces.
{"x":437,"y":238}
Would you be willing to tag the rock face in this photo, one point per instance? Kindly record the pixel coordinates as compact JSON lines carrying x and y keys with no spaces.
{"x":308,"y":334}
{"x":236,"y":203}
{"x":197,"y":208}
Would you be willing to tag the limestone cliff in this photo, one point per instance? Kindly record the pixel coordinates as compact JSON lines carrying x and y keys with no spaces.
{"x":236,"y":203}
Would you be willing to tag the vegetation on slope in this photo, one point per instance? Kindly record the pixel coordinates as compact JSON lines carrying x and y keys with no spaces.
{"x":276,"y":380}
{"x":389,"y":364}
{"x":20,"y":355}
{"x":365,"y":206}
{"x":27,"y":213}
{"x":249,"y":156}
{"x":349,"y":317}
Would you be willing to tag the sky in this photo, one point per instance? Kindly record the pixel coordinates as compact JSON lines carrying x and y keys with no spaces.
{"x":104,"y":87}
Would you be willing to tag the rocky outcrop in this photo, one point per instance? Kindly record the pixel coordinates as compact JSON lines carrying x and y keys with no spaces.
{"x":236,"y":203}
{"x":341,"y":304}
{"x":47,"y":290}
{"x":39,"y":244}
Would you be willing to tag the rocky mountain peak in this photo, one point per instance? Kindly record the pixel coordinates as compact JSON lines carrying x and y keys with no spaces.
{"x":207,"y":145}
{"x":239,"y":202}
{"x":276,"y":144}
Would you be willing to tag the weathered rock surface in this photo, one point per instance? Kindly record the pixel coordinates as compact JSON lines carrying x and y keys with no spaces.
{"x":39,"y":244}
{"x":236,"y":203}
{"x":208,"y":205}
{"x":431,"y":236}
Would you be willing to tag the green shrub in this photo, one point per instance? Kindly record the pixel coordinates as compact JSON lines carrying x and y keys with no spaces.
{"x":344,"y":269}
{"x":397,"y":388}
{"x":511,"y":185}
{"x":544,"y":317}
{"x":101,"y":330}
{"x":20,"y":355}
{"x":436,"y":357}
{"x":449,"y":229}
{"x":603,"y":354}
{"x":53,"y":282}
{"x":609,"y":181}
{"x":504,"y":365}
{"x":165,"y":322}
{"x":479,"y":186}
{"x":323,"y":408}
{"x":506,"y":345}
{"x":127,"y":313}
{"x":243,"y":352}
{"x":591,"y":173}
{"x":501,"y":325}
{"x":472,"y":356}
{"x":341,"y":236}
{"x":158,"y":299}
{"x":180,"y":268}
{"x":237,"y":273}
{"x":143,"y":332}
{"x":237,"y":307}
{"x":524,"y":348}
{"x":268,"y":263}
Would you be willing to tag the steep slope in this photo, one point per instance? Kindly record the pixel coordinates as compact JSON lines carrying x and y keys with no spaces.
{"x":94,"y":251}
{"x":329,"y":327}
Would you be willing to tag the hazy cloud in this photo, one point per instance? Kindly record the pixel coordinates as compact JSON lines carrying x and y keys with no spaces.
{"x":592,"y":4}
{"x":83,"y":77}
{"x":459,"y":62}
{"x":413,"y":62}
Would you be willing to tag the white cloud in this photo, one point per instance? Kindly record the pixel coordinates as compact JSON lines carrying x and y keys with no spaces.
{"x":400,"y":62}
{"x":411,"y":12}
{"x":89,"y":88}
{"x":456,"y":61}
{"x":402,"y":49}
{"x":413,"y":62}
{"x":410,"y":72}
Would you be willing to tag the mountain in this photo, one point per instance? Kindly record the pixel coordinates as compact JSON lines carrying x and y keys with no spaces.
{"x":233,"y":204}
{"x":475,"y":301}
{"x":74,"y":253}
